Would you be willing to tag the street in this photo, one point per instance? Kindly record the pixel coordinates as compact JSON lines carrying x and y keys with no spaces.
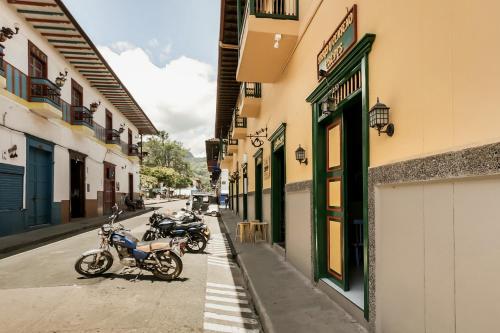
{"x":41,"y":292}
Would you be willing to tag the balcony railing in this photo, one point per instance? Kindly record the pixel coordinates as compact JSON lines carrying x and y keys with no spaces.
{"x":100,"y":132}
{"x":80,"y":115}
{"x":113,"y":137}
{"x":2,"y":69}
{"x":240,"y":122}
{"x":130,"y":149}
{"x":251,"y":89}
{"x":278,"y":9}
{"x":43,"y":90}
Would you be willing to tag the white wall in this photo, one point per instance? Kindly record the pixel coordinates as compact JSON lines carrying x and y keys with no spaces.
{"x":16,"y":115}
{"x":437,"y":257}
{"x":16,"y":53}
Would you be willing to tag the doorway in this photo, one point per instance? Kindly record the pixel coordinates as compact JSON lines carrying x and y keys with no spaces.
{"x":131,"y":186}
{"x":258,"y":188}
{"x":109,"y":126}
{"x":77,"y":185}
{"x":109,"y":187}
{"x":278,"y":182}
{"x":39,"y":182}
{"x":343,"y":199}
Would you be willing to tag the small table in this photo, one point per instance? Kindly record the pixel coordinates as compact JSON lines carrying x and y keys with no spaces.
{"x":258,"y":227}
{"x":243,"y":231}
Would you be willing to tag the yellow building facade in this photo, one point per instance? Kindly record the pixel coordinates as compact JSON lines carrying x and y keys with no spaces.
{"x":398,"y":229}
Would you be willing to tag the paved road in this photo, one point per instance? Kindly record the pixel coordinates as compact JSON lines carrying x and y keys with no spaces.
{"x":41,"y":292}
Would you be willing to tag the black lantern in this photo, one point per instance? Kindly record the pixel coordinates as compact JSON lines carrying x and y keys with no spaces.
{"x":379,"y":118}
{"x":61,"y":79}
{"x":8,"y":33}
{"x":300,"y":155}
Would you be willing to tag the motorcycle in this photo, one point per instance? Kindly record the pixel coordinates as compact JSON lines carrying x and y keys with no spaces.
{"x":184,"y":217}
{"x":161,"y":227}
{"x":160,"y":256}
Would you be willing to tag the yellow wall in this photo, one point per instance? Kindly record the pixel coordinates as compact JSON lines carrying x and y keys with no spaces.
{"x":434,"y":63}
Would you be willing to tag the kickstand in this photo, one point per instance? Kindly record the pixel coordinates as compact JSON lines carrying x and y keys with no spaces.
{"x":137,"y":276}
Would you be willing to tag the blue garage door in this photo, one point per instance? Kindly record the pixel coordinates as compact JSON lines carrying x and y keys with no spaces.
{"x":11,"y":199}
{"x":39,"y":183}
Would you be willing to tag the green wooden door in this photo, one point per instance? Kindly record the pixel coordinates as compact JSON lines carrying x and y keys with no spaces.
{"x":336,"y":232}
{"x":258,"y":188}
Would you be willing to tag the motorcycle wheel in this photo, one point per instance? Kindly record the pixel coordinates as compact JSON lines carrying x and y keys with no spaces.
{"x":148,"y":236}
{"x":87,"y":265}
{"x":171,"y":266}
{"x":197,"y":243}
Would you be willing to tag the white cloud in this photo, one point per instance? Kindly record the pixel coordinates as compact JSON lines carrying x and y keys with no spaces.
{"x":122,"y":46}
{"x":165,"y":52}
{"x":178,"y":97}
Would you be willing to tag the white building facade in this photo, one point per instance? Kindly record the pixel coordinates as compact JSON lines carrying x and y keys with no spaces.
{"x":67,"y":151}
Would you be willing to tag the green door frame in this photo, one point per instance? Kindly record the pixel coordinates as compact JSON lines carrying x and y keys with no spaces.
{"x":258,"y":184}
{"x":357,"y":58}
{"x":279,"y":133}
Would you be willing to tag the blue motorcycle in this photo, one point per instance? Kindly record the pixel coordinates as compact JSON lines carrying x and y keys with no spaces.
{"x":160,"y":256}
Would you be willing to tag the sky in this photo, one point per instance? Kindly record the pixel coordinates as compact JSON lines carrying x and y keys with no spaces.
{"x":165,"y":52}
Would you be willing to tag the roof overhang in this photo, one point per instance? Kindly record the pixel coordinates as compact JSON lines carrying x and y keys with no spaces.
{"x":53,"y":21}
{"x":212,"y":149}
{"x":227,"y":87}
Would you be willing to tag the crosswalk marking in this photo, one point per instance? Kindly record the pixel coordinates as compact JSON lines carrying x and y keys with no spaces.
{"x":239,"y":309}
{"x":224,"y":286}
{"x":227,"y":329}
{"x":228,"y":308}
{"x":222,"y":265}
{"x":225,"y":292}
{"x":226,"y":299}
{"x":234,"y":319}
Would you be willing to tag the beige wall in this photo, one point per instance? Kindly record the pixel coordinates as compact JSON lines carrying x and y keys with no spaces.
{"x":298,"y":231}
{"x":436,"y":255}
{"x":438,"y":90}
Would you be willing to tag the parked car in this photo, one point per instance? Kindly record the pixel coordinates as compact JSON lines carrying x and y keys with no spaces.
{"x":205,"y":203}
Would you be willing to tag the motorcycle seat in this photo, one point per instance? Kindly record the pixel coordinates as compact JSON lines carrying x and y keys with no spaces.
{"x":155,"y":245}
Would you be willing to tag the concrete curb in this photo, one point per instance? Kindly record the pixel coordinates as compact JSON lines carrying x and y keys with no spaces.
{"x":265,"y":320}
{"x":77,"y":230}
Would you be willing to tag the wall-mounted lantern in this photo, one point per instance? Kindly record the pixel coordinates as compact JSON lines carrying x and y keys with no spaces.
{"x":61,"y":79}
{"x":12,"y":151}
{"x":122,"y":128}
{"x":300,"y":155}
{"x":94,"y":106}
{"x":379,"y":118}
{"x":8,"y":33}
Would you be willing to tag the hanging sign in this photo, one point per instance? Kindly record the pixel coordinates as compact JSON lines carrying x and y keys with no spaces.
{"x":341,"y":41}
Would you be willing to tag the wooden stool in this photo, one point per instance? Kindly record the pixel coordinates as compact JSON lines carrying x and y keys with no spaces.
{"x":243,"y":231}
{"x":258,"y":227}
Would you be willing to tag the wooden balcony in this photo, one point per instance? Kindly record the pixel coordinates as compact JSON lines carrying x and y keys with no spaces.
{"x":82,"y":120}
{"x":113,"y":139}
{"x":249,"y":99}
{"x":131,"y":150}
{"x":232,"y":146}
{"x":239,"y":127}
{"x":264,"y":24}
{"x":45,"y":97}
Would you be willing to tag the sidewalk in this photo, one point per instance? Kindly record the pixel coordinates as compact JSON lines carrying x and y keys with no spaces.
{"x":34,"y":238}
{"x":284,"y":299}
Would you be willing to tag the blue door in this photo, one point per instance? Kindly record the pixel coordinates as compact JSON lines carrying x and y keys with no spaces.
{"x":39,"y":183}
